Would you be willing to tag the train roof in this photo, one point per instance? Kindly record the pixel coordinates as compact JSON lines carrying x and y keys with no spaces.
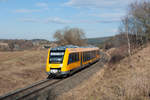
{"x":64,"y":47}
{"x":73,"y":48}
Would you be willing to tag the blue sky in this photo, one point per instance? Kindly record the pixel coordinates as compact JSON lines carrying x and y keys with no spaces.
{"x":30,"y":19}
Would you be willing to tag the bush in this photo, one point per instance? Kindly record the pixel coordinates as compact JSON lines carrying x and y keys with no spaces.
{"x":108,"y":46}
{"x":70,"y":36}
{"x":116,"y":58}
{"x":118,"y":54}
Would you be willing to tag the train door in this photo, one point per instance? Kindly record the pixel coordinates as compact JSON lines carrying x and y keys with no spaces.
{"x":81,"y":59}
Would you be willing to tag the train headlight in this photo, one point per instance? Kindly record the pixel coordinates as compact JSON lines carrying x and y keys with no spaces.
{"x":54,"y":71}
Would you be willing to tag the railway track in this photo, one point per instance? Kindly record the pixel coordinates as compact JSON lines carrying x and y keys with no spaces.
{"x":30,"y":90}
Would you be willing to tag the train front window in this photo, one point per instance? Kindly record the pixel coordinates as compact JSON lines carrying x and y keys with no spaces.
{"x":56,"y":56}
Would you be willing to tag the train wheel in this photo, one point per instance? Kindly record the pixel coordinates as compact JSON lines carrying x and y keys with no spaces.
{"x":50,"y":77}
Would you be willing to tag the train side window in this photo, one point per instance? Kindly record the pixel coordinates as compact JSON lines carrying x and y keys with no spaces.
{"x":89,"y":55}
{"x":98,"y":52}
{"x":84,"y":57}
{"x":77,"y":56}
{"x":70,"y":59}
{"x":73,"y":57}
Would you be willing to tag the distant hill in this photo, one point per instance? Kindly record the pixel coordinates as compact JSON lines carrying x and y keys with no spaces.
{"x":21,"y":44}
{"x":97,"y":41}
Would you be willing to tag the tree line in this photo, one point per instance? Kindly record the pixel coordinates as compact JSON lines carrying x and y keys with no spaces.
{"x":135,"y":26}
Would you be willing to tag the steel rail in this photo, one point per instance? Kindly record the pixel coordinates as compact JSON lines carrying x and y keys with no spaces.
{"x":22,"y":93}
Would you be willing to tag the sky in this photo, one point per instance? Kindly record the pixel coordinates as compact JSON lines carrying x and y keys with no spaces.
{"x":32,"y":19}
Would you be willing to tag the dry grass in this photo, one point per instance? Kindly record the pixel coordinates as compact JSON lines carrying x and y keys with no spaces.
{"x":127,"y":80}
{"x":21,"y":68}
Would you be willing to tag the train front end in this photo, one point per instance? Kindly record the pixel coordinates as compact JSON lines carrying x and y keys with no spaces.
{"x":57,"y":62}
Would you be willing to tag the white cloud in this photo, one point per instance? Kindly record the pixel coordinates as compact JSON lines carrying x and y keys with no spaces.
{"x":115,"y":30}
{"x":42,"y":4}
{"x":57,"y":21}
{"x":26,"y":10}
{"x":108,"y":21}
{"x":97,"y":21}
{"x":109,"y":17}
{"x":33,"y":20}
{"x":98,"y":3}
{"x":3,"y":0}
{"x":111,"y":10}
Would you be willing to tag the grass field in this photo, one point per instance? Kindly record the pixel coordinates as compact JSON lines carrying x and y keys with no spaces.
{"x":21,"y":68}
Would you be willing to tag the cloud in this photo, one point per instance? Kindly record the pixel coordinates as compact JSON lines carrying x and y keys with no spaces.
{"x":26,"y":10}
{"x":31,"y":20}
{"x":3,"y":0}
{"x":97,"y":21}
{"x":109,"y":17}
{"x":57,"y":21}
{"x":98,"y":3}
{"x":115,"y":30}
{"x":107,"y":21}
{"x":42,"y":4}
{"x":104,"y":11}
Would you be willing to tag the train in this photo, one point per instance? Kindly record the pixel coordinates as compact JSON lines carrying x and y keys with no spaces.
{"x":64,"y":60}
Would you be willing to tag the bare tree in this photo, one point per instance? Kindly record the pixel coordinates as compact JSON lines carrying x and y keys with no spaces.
{"x":141,"y":12}
{"x":136,"y":24}
{"x":70,"y":36}
{"x":126,"y":22}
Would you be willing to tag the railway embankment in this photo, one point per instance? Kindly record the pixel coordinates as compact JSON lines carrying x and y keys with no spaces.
{"x":127,"y":80}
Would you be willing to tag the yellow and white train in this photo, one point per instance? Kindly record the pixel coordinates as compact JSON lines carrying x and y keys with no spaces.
{"x":63,"y":60}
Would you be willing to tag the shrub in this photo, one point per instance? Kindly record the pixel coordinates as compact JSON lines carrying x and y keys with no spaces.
{"x":118,"y":54}
{"x":70,"y":36}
